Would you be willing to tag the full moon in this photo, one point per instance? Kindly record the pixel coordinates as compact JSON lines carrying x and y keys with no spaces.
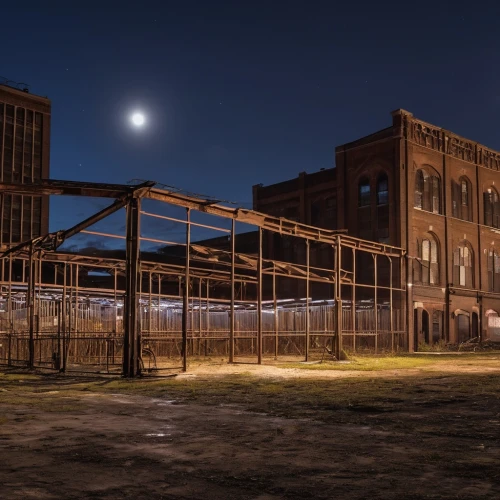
{"x":137,"y":119}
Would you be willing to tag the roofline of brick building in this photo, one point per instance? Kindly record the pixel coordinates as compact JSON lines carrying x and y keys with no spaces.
{"x":25,"y":94}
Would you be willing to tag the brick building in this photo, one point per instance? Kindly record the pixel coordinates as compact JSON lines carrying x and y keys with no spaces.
{"x":24,"y":158}
{"x":429,"y":191}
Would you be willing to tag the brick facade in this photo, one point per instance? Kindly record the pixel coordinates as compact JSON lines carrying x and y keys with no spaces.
{"x":428,"y":191}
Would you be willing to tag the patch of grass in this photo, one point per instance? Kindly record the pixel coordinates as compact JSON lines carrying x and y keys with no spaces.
{"x":399,"y":362}
{"x":366,"y":364}
{"x":17,"y":377}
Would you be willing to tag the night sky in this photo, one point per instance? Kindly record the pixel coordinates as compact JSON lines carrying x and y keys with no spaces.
{"x":240,"y":93}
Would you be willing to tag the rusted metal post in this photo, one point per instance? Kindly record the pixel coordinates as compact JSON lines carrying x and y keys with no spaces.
{"x":11,"y":316}
{"x":185,"y":303}
{"x":131,"y":340}
{"x":375,"y":275}
{"x":338,"y":299}
{"x":259,"y":300}
{"x":30,"y":307}
{"x":185,"y":298}
{"x":231,"y":313}
{"x":353,"y":300}
{"x":207,"y":333}
{"x":150,"y":284}
{"x":70,"y":303}
{"x":200,"y":317}
{"x":158,"y":311}
{"x":59,"y":347}
{"x":63,"y":319}
{"x":307,"y":301}
{"x":77,"y":340}
{"x":391,"y":319}
{"x":275,"y":308}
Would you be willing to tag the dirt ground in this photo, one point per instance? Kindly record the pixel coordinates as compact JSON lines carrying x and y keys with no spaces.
{"x":247,"y":432}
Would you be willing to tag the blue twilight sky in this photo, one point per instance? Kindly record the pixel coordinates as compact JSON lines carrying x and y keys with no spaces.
{"x":240,"y":93}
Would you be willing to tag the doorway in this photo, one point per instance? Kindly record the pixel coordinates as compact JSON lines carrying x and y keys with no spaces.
{"x":425,"y":326}
{"x":463,"y":327}
{"x":475,"y":325}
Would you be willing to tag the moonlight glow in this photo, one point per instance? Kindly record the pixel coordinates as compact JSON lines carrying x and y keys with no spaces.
{"x":138,"y":120}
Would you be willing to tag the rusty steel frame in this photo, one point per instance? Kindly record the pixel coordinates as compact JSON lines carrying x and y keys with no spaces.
{"x":201,"y":263}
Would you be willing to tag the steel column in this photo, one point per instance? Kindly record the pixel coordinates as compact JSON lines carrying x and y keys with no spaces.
{"x":259,"y":300}
{"x":131,"y":341}
{"x":338,"y":299}
{"x":231,"y":313}
{"x":307,"y":300}
{"x":185,"y":301}
{"x":30,"y":307}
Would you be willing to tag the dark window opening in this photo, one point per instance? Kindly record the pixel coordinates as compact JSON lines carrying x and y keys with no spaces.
{"x":382,"y":190}
{"x":427,"y":192}
{"x":493,"y":271}
{"x":364,"y":193}
{"x":491,"y":208}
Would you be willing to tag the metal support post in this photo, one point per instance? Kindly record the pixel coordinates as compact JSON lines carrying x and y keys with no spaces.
{"x":185,"y":301}
{"x":131,"y":340}
{"x":353,"y":300}
{"x":30,"y":307}
{"x":338,"y":299}
{"x":275,"y":308}
{"x":375,"y":275}
{"x":63,"y":320}
{"x":307,"y":301}
{"x":231,"y":313}
{"x":259,"y":300}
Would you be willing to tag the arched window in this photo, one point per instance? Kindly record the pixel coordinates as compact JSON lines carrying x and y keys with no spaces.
{"x":427,"y":191}
{"x":365,"y":225}
{"x":491,"y":208}
{"x":461,"y":199}
{"x":383,"y":208}
{"x":427,"y":263}
{"x":364,"y":193}
{"x":382,"y":190}
{"x":493,"y":271}
{"x":419,"y":188}
{"x":462,"y":265}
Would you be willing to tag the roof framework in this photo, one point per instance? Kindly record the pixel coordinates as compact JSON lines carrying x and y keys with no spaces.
{"x":224,"y":267}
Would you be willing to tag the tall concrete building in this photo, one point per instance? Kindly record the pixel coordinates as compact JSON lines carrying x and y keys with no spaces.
{"x":429,"y":191}
{"x":24,"y":159}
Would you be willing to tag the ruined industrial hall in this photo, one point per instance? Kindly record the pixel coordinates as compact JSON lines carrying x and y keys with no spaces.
{"x":393,"y":248}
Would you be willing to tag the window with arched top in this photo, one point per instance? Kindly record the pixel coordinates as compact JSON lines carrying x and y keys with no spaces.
{"x":364,"y":195}
{"x":365,"y":225}
{"x":382,"y":190}
{"x":426,"y":265}
{"x":491,"y":208}
{"x":427,"y":191}
{"x":493,"y":271}
{"x":463,"y":274}
{"x":383,"y":208}
{"x":461,"y":199}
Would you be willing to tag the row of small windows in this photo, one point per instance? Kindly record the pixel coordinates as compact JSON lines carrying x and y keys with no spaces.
{"x":428,"y":198}
{"x":20,"y":144}
{"x":426,"y":265}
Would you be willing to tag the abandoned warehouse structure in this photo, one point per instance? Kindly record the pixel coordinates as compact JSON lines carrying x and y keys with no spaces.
{"x":64,"y":310}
